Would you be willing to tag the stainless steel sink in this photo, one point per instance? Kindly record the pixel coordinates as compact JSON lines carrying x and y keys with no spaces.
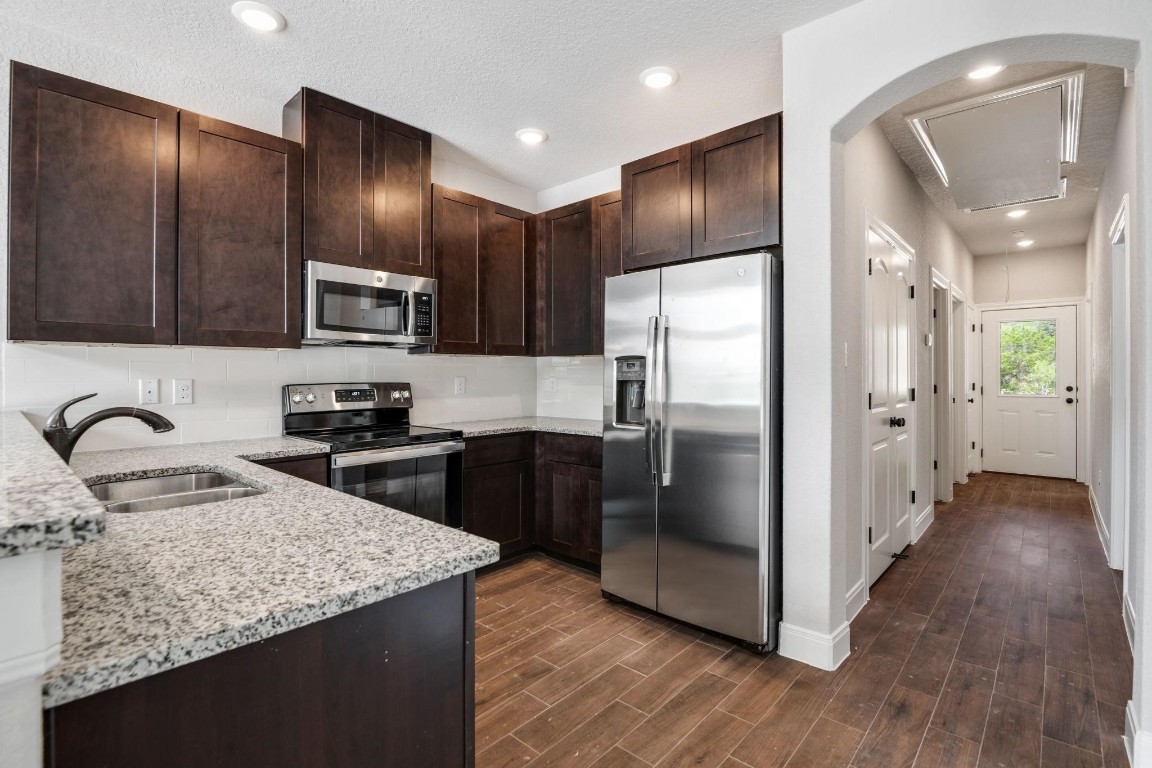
{"x":171,"y":491}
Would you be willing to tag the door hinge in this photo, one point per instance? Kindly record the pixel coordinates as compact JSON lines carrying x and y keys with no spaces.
{"x":973,"y":445}
{"x":869,"y":272}
{"x":973,"y":327}
{"x":973,"y":386}
{"x":935,"y":389}
{"x":913,"y":496}
{"x":933,"y":313}
{"x":869,"y":401}
{"x":953,"y":401}
{"x":981,"y":390}
{"x":981,"y":327}
{"x":869,"y":534}
{"x":913,"y":394}
{"x":911,"y":291}
{"x":935,"y":465}
{"x":981,"y":453}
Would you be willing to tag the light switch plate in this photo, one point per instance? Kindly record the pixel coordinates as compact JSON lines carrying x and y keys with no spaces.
{"x":181,"y":391}
{"x":149,"y":391}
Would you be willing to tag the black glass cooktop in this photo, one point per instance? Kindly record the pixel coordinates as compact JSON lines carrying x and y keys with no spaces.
{"x":381,"y":437}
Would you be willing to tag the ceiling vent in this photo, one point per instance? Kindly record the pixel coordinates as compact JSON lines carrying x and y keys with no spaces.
{"x":1005,"y":148}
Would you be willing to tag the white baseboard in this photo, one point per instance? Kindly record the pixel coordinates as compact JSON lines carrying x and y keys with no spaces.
{"x":922,"y":521}
{"x":1138,"y":743}
{"x":857,"y":598}
{"x":816,"y":649}
{"x":1101,"y":528}
{"x":1130,"y":622}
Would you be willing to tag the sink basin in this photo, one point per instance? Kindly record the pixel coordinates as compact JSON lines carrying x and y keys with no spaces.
{"x":170,"y":492}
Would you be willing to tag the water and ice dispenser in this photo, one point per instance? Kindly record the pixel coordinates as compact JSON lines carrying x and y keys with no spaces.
{"x":630,"y":381}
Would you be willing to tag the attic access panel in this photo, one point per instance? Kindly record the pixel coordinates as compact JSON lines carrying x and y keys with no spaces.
{"x":1006,"y":147}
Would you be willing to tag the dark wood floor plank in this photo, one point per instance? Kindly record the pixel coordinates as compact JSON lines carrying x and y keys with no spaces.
{"x":945,"y":750}
{"x":500,"y":721}
{"x":663,"y":730}
{"x":929,"y":663}
{"x":737,"y":664}
{"x":1021,"y":673}
{"x":576,"y":645}
{"x":895,"y":737}
{"x":828,"y":745}
{"x":899,"y":635}
{"x":618,"y":758}
{"x":1070,"y":709}
{"x":762,"y":689}
{"x":516,"y":653}
{"x":1012,"y":737}
{"x":563,"y":680}
{"x":510,"y":683}
{"x":994,"y":597}
{"x":663,"y":649}
{"x":593,"y":739}
{"x":1027,"y":620}
{"x":1057,"y":754}
{"x":773,"y":740}
{"x":964,"y":701}
{"x":981,"y":641}
{"x":506,"y":753}
{"x":1067,"y":646}
{"x":950,"y":616}
{"x":1112,"y":735}
{"x":548,"y":726}
{"x":709,"y":743}
{"x":1066,"y":602}
{"x":864,"y":692}
{"x":660,"y":686}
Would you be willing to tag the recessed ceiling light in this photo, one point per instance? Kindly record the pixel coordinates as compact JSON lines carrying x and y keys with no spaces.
{"x":259,"y":16}
{"x":531,"y":135}
{"x":1017,"y":213}
{"x":1024,"y":243}
{"x":659,"y":77}
{"x":986,"y":71}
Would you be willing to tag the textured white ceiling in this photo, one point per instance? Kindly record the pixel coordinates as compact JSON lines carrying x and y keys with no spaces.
{"x":473,"y":72}
{"x":1053,"y":223}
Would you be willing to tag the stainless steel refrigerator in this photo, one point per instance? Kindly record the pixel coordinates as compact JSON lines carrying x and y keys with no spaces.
{"x":692,"y":440}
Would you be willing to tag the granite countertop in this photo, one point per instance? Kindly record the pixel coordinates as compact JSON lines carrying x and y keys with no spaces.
{"x":170,"y":587}
{"x":43,"y":505}
{"x":586,"y":427}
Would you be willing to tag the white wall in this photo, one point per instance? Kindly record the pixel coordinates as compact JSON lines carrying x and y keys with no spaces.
{"x":583,"y":188}
{"x":1047,"y":273}
{"x":570,"y":387}
{"x":1119,"y":180}
{"x":840,"y":73}
{"x":878,"y":182}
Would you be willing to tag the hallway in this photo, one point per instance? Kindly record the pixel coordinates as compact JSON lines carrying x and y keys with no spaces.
{"x":999,"y":642}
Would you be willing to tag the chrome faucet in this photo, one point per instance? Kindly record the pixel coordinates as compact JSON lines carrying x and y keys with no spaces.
{"x":63,"y":438}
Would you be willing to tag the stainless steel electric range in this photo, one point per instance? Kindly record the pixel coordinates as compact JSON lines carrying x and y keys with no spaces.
{"x":376,"y":452}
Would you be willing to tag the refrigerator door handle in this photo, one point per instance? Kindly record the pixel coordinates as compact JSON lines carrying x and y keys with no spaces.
{"x":650,"y":400}
{"x":662,"y":442}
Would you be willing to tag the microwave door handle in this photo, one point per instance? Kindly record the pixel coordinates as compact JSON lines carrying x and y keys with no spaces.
{"x":663,"y":432}
{"x":406,"y":311}
{"x":650,"y":401}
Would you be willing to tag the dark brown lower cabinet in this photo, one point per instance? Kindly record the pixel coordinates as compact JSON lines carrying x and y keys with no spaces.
{"x":499,"y":490}
{"x":568,"y":495}
{"x":312,"y":468}
{"x":390,"y":684}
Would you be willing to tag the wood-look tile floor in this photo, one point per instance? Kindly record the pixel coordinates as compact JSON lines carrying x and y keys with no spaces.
{"x":999,"y":642}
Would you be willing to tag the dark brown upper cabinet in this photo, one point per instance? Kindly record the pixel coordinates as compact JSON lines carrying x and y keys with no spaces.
{"x":458,"y":219}
{"x":239,"y":237}
{"x":606,"y":254}
{"x":367,"y":186}
{"x":92,"y":233}
{"x":656,"y":209}
{"x":567,"y":281}
{"x":736,"y":189}
{"x":509,"y":247}
{"x":484,"y":254}
{"x":717,"y":195}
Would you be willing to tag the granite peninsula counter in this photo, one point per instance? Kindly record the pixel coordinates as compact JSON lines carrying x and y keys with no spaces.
{"x":166,"y":588}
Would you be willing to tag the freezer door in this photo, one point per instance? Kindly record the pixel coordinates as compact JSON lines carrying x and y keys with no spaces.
{"x":713,"y":522}
{"x":628,"y":555}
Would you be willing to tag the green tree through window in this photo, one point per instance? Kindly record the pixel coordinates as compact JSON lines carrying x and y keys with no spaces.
{"x":1028,"y":358}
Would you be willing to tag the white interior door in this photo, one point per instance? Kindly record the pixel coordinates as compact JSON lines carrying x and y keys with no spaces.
{"x":972,"y":393}
{"x":959,"y":352}
{"x":1030,"y":396}
{"x":890,"y":428}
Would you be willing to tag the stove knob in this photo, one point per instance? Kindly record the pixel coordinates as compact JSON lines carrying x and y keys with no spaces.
{"x":310,"y":397}
{"x":297,"y":398}
{"x":407,"y":394}
{"x":397,"y":394}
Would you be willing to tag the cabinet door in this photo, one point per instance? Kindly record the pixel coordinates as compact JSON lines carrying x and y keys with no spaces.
{"x":457,"y":223}
{"x":498,"y":504}
{"x":656,"y":195}
{"x":606,"y":256}
{"x":568,"y":504}
{"x":568,"y":280}
{"x":92,"y":233}
{"x":736,"y":189}
{"x":240,"y":257}
{"x":509,"y":278}
{"x":338,"y":176}
{"x":402,"y":205}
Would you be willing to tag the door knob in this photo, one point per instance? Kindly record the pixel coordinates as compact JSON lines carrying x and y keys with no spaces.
{"x":971,"y":400}
{"x":1068,"y":400}
{"x":1067,"y":389}
{"x":896,"y":422}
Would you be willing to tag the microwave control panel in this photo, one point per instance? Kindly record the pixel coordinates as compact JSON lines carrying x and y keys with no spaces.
{"x":422,"y":304}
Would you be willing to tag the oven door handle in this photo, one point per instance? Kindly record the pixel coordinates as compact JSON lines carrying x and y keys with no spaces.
{"x":379,"y":456}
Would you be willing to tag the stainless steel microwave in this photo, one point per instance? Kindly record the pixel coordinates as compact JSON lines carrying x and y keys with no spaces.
{"x":349,"y":305}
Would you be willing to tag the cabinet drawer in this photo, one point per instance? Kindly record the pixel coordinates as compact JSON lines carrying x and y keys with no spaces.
{"x":498,"y":449}
{"x":311,"y":468}
{"x":570,"y":449}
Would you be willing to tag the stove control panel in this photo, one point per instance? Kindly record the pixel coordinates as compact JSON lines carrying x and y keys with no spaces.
{"x":317,"y":398}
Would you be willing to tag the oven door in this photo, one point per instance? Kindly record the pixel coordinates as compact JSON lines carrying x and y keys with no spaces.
{"x":423,"y":480}
{"x":351,"y":305}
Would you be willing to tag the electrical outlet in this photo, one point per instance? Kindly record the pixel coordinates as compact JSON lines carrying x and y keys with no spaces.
{"x":550,"y":384}
{"x":181,"y":391}
{"x":149,"y":391}
{"x":461,"y":385}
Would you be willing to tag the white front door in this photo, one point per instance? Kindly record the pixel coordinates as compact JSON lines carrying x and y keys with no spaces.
{"x":889,"y":431}
{"x":972,"y":392}
{"x":1030,"y":396}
